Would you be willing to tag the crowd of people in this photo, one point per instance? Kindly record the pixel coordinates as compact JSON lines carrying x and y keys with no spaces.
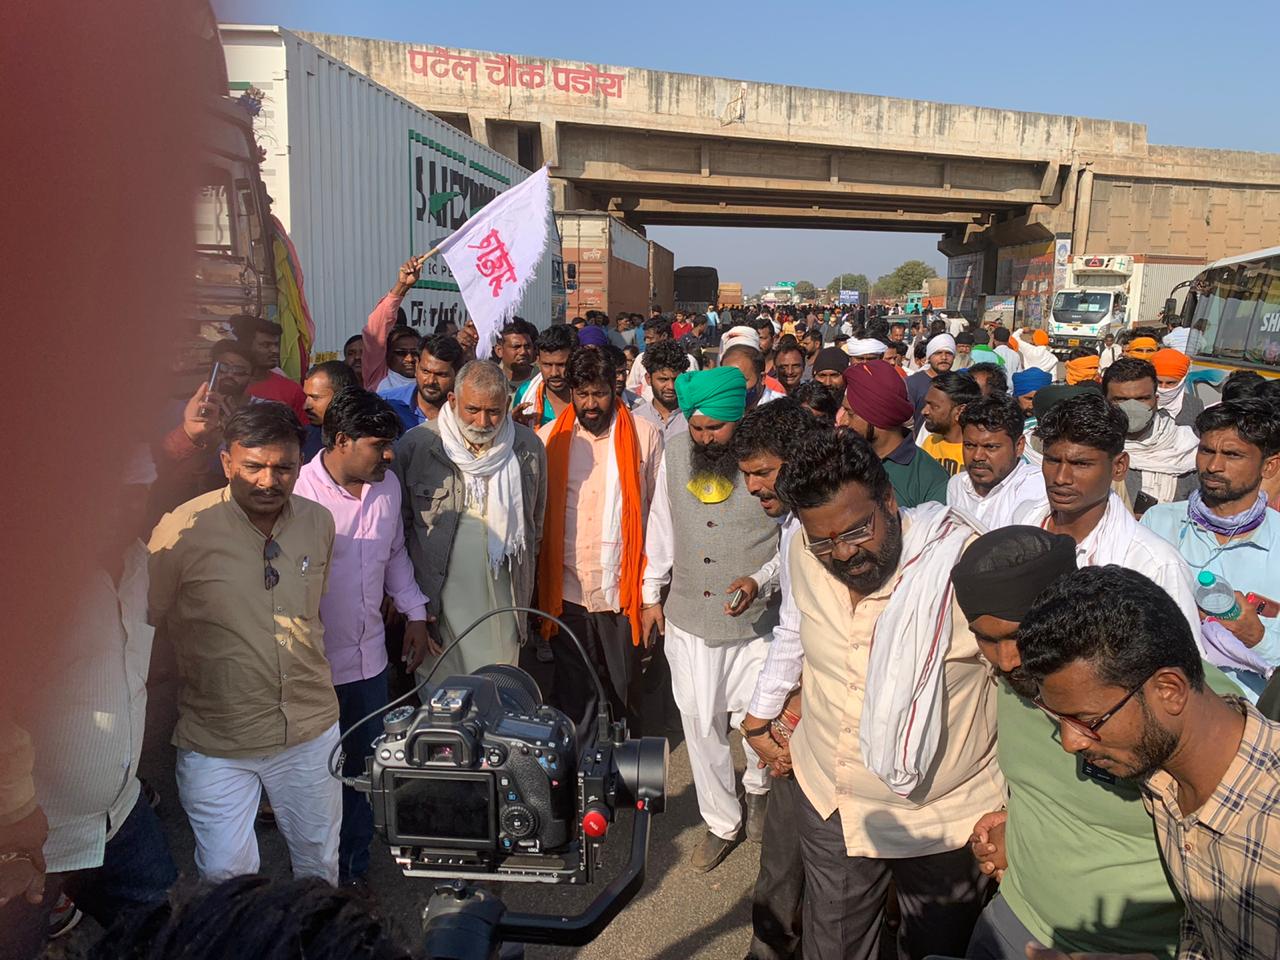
{"x":997,"y":648}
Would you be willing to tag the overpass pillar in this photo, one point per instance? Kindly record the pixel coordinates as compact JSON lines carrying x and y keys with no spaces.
{"x":1083,"y":204}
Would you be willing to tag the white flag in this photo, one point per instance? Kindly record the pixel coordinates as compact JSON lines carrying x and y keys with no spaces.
{"x":496,"y":253}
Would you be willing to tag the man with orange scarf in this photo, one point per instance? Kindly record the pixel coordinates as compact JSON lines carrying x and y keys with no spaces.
{"x":1172,"y":395}
{"x":706,"y":536}
{"x":602,"y":465}
{"x":1081,"y":367}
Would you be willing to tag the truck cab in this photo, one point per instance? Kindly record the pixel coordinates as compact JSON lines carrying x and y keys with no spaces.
{"x":1082,"y":317}
{"x":234,"y":264}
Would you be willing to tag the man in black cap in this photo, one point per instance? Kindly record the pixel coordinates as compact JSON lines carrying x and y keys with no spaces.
{"x":829,"y":367}
{"x":1105,"y":894}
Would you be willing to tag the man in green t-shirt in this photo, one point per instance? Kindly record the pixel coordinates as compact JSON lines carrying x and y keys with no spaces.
{"x":1075,"y":851}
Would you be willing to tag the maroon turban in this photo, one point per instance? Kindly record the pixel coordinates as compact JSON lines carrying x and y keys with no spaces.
{"x":876,"y":392}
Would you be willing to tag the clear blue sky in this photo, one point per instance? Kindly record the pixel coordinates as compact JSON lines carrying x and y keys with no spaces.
{"x":1197,"y":74}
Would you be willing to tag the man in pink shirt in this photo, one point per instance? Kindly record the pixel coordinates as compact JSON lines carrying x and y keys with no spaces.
{"x":592,"y":595}
{"x":391,"y":346}
{"x":349,"y":478}
{"x":261,"y":340}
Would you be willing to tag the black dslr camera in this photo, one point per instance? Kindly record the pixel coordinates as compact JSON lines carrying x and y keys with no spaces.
{"x":486,"y":781}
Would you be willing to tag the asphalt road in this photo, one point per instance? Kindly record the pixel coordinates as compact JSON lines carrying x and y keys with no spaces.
{"x":679,"y":913}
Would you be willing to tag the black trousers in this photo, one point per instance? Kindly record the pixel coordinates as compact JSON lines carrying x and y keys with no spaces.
{"x":779,"y":893}
{"x":940,"y":896}
{"x":607,"y":638}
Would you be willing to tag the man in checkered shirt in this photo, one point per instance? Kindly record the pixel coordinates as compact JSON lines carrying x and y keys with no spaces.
{"x":1118,"y":668}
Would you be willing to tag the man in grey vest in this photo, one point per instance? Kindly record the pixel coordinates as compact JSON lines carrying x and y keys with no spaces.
{"x":705,"y":533}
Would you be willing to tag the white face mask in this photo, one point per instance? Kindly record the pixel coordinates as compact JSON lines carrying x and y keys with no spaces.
{"x":1165,"y":396}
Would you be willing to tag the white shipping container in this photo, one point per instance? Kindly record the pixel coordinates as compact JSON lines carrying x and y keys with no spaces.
{"x":362,"y":179}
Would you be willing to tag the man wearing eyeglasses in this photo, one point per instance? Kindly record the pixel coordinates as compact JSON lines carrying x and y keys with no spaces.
{"x":1109,"y":893}
{"x":1117,"y":667}
{"x":236,"y":580}
{"x":895,"y":750}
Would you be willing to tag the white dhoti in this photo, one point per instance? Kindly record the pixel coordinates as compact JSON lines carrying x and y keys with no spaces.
{"x":712,"y":687}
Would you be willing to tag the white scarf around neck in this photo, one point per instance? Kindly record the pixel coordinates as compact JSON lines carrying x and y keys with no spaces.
{"x":1025,"y":484}
{"x":1165,"y":455}
{"x":491,"y":480}
{"x":902,"y":712}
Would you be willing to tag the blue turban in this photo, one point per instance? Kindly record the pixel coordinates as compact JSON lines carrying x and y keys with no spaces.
{"x":1029,"y":381}
{"x":593,"y":336}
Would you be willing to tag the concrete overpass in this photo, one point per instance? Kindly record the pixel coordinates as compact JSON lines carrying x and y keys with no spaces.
{"x":668,"y":148}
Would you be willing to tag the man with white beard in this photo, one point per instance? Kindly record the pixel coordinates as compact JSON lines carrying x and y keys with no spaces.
{"x":473,"y":496}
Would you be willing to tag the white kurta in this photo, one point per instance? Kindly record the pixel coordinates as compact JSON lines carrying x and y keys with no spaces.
{"x":1025,"y":485}
{"x":712,"y":685}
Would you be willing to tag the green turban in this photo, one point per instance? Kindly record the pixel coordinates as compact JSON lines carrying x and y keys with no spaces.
{"x":719,"y":393}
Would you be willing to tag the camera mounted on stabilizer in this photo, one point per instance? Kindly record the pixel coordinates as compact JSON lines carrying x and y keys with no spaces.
{"x":487,"y":782}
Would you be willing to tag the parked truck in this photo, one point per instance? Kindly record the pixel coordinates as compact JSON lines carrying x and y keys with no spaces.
{"x":1107,"y":293}
{"x":662,"y":278}
{"x":606,"y":264}
{"x":697,"y":288}
{"x":363,"y":179}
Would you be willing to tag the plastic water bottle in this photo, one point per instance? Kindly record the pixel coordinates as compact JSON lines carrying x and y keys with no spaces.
{"x":1215,"y":597}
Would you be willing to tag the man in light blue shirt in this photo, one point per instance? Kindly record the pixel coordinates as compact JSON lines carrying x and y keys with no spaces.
{"x":1226,"y":528}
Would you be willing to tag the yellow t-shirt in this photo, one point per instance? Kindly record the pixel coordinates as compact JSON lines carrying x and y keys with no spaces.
{"x":950,"y":455}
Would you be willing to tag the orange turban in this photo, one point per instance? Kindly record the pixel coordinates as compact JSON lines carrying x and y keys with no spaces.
{"x":1171,"y":364}
{"x":1142,"y":347}
{"x":1039,"y":338}
{"x":1082,"y":370}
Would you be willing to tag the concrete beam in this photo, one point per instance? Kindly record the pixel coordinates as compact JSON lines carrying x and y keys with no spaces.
{"x":675,"y":213}
{"x":692,"y":186}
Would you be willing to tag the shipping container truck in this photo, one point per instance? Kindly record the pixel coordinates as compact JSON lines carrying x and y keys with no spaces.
{"x":696,"y":288}
{"x":662,"y":278}
{"x":1107,"y":293}
{"x":730,"y":294}
{"x":606,"y":264}
{"x":362,"y":179}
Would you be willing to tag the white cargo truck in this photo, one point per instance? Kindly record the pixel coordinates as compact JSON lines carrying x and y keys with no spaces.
{"x":362,"y":179}
{"x":1107,"y":293}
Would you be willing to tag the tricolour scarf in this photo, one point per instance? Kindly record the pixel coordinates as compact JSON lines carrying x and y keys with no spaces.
{"x":622,"y":556}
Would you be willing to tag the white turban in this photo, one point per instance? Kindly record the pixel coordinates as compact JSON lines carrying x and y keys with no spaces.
{"x":943,"y":341}
{"x":740,"y":335}
{"x":865,"y":348}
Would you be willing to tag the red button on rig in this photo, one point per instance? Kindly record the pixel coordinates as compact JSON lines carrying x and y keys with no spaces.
{"x":594,"y":824}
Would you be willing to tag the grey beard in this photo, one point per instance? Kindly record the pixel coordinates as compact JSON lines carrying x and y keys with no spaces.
{"x":476,"y":436}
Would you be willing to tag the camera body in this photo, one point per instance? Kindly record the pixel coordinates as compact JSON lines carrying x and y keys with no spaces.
{"x":486,"y":781}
